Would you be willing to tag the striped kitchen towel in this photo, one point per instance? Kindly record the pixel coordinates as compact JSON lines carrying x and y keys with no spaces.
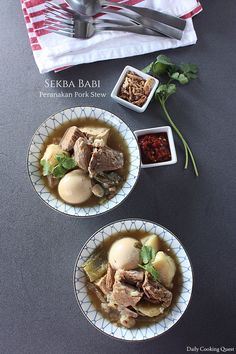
{"x":55,"y":52}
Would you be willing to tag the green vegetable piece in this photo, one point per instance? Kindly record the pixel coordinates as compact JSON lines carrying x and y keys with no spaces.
{"x":96,"y":265}
{"x":148,"y":68}
{"x":154,"y":273}
{"x":171,"y":89}
{"x":153,"y":254}
{"x":175,"y":76}
{"x":66,"y":161}
{"x":60,"y":157}
{"x":150,"y":269}
{"x":47,"y":168}
{"x":161,"y":65}
{"x":165,"y":90}
{"x":183,"y":79}
{"x":187,"y":68}
{"x":59,"y":171}
{"x":148,"y":254}
{"x":69,"y":163}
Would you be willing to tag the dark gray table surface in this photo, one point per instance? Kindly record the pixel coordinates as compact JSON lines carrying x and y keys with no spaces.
{"x":38,"y":246}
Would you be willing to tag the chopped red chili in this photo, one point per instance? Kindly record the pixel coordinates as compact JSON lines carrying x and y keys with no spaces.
{"x":154,"y":148}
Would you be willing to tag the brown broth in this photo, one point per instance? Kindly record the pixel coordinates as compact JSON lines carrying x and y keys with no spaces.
{"x":141,"y":321}
{"x":115,"y":141}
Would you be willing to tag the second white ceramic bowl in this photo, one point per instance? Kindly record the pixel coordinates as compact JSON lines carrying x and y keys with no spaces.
{"x":96,"y":318}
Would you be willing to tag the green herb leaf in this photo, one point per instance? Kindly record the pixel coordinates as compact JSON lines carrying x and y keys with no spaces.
{"x":161,"y":65}
{"x":164,"y":91}
{"x":150,"y":269}
{"x":175,"y":76}
{"x":146,"y":254}
{"x":69,"y":163}
{"x":153,"y":254}
{"x":187,"y":68}
{"x":148,"y":68}
{"x":183,"y":79}
{"x":59,"y":171}
{"x":60,"y":157}
{"x":171,"y":89}
{"x":154,"y":273}
{"x":47,"y":168}
{"x":65,"y":163}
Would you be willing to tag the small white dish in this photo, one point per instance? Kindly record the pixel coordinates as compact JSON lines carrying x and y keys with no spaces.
{"x":96,"y":318}
{"x":120,"y":81}
{"x":167,"y":130}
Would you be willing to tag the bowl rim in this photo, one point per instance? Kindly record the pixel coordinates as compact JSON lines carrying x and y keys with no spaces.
{"x":78,"y":302}
{"x":62,"y":212}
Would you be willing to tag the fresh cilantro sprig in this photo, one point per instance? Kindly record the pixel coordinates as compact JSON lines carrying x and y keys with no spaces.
{"x":147,"y":254}
{"x":173,"y":74}
{"x":65,"y":164}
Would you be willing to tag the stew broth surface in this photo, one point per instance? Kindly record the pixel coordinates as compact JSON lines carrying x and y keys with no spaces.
{"x":141,"y":321}
{"x":115,"y":141}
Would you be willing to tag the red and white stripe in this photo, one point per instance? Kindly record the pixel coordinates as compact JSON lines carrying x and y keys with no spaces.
{"x":33,"y":11}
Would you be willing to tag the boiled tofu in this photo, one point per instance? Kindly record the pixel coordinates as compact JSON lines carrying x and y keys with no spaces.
{"x":97,"y":133}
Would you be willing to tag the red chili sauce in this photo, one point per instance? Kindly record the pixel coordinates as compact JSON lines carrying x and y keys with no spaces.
{"x":154,"y":148}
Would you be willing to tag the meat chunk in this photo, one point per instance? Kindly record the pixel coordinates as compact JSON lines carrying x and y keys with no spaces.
{"x":102,"y":285}
{"x":110,"y":277}
{"x":127,"y":318}
{"x":133,"y":277}
{"x":108,"y":180}
{"x":52,"y":181}
{"x":82,"y":153}
{"x":119,"y":313}
{"x":97,"y":292}
{"x":69,"y":138}
{"x":156,"y":292}
{"x":105,"y":159}
{"x":125,"y":294}
{"x":106,"y":282}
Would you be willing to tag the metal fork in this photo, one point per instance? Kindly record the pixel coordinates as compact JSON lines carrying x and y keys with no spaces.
{"x":64,"y":22}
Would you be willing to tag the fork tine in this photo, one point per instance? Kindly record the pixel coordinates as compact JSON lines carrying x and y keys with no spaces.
{"x":59,"y":8}
{"x":57,"y":12}
{"x":50,"y":27}
{"x":51,"y":16}
{"x":61,"y":32}
{"x":59,"y":26}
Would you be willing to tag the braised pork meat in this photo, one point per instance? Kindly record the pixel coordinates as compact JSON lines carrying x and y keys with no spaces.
{"x":69,"y":138}
{"x":105,"y":159}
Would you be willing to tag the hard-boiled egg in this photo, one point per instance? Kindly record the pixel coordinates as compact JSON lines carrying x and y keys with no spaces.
{"x":75,"y":187}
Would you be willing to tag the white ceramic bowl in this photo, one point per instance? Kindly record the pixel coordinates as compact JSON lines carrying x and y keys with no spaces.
{"x":102,"y":324}
{"x":120,"y":81}
{"x":167,"y":130}
{"x":73,"y":114}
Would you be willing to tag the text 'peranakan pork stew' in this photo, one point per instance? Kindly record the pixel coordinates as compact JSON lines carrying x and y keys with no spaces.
{"x":85,"y":163}
{"x":133,"y":278}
